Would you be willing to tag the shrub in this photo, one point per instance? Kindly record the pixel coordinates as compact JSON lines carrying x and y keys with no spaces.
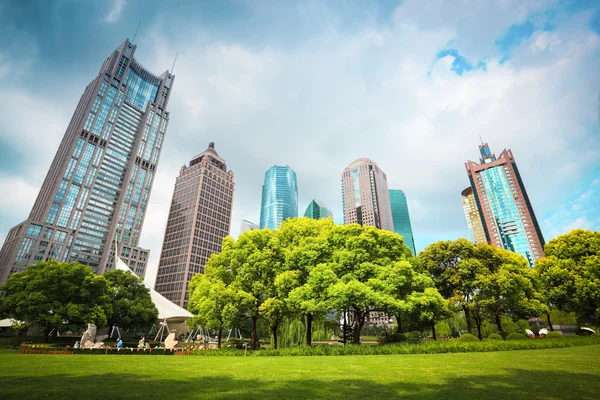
{"x":553,"y":335}
{"x":503,"y":334}
{"x":395,"y":338}
{"x":495,"y":336}
{"x":467,"y":337}
{"x":516,"y":336}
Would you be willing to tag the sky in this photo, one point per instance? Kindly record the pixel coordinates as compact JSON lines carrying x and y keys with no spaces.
{"x":315,"y":85}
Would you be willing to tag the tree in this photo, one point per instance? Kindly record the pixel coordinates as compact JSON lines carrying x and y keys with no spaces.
{"x":213,"y":303}
{"x":132,"y":306}
{"x":305,"y":243}
{"x":429,"y":308}
{"x":570,"y":274}
{"x":54,"y":295}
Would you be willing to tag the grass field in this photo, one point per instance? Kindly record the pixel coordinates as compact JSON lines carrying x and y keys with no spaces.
{"x":572,"y":373}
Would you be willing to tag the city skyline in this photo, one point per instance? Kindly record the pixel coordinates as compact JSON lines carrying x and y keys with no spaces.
{"x":97,"y":188}
{"x":418,"y":112}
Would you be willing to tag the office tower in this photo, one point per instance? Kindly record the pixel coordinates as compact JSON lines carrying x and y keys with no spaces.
{"x":401,"y":218}
{"x":365,"y":196}
{"x":279,"y":197}
{"x":97,"y":188}
{"x":199,"y":219}
{"x":247,"y":226}
{"x":506,"y":212}
{"x":472,"y":216}
{"x":317,"y":210}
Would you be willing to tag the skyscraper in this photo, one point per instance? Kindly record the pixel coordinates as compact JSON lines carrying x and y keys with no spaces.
{"x":100,"y":180}
{"x":401,"y":218}
{"x":199,"y":219}
{"x":504,"y":207}
{"x":247,"y":226}
{"x":279,"y":197}
{"x":365,"y":195}
{"x":317,"y":210}
{"x":472,"y":216}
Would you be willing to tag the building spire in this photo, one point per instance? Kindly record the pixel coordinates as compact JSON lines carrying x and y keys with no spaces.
{"x":480,"y":139}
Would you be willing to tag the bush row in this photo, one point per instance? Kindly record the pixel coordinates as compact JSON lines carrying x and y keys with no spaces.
{"x":430,"y":347}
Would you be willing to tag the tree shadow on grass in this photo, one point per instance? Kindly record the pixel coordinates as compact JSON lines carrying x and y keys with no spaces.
{"x":511,"y":384}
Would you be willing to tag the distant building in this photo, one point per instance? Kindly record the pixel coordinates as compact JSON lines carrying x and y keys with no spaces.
{"x":317,"y":210}
{"x":365,"y":196}
{"x":401,"y":218}
{"x":96,"y":191}
{"x":199,"y":219}
{"x":472,"y":216}
{"x":247,"y":226}
{"x":279,"y":197}
{"x":504,"y":207}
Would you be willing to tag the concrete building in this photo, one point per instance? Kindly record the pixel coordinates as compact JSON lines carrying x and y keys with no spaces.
{"x":98,"y":185}
{"x":472,"y":216}
{"x":401,"y":218}
{"x":365,"y":196}
{"x":199,"y":219}
{"x":317,"y":210}
{"x":279,"y":197}
{"x":504,"y":207}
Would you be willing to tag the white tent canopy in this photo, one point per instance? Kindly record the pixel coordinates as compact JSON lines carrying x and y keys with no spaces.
{"x":167,"y":310}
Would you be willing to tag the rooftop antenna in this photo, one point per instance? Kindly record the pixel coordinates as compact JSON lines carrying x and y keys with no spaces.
{"x":136,"y":31}
{"x":480,"y":139}
{"x":173,"y":67}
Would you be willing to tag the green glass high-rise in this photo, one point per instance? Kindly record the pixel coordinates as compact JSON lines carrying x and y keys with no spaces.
{"x":401,"y":218}
{"x":279,"y":197}
{"x":317,"y":210}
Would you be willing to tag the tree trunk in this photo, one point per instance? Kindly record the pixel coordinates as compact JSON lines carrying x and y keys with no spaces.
{"x":499,"y":322}
{"x":274,"y":330}
{"x":549,"y":322}
{"x":433,"y":330}
{"x":399,"y":327}
{"x":219,"y":336}
{"x":468,"y":318}
{"x":478,"y":323}
{"x":309,"y":319}
{"x":47,"y":331}
{"x":253,"y":338}
{"x":358,"y":323}
{"x":345,"y":326}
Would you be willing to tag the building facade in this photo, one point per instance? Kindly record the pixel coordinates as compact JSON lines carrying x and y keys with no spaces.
{"x":199,"y":219}
{"x":317,"y":210}
{"x":365,"y":196}
{"x":401,"y":218}
{"x":472,"y":216}
{"x":505,"y":210}
{"x":98,"y":185}
{"x":279,"y":197}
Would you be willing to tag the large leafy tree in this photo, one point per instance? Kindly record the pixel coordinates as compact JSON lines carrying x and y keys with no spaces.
{"x":132,"y":306}
{"x":213,"y":302}
{"x":428,"y":308}
{"x":305,"y":244}
{"x":55,"y":295}
{"x":570,"y":274}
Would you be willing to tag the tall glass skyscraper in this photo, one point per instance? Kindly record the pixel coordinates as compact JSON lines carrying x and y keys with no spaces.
{"x":317,"y":210}
{"x":199,"y":219}
{"x":279,"y":197}
{"x":401,"y":218}
{"x":472,"y":216}
{"x":365,"y":196}
{"x":504,"y":207}
{"x":98,"y":185}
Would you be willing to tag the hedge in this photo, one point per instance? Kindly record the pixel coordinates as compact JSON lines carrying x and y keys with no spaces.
{"x":467,"y":337}
{"x":516,"y":336}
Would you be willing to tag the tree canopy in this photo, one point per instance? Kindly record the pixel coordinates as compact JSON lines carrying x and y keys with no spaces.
{"x":57,"y":295}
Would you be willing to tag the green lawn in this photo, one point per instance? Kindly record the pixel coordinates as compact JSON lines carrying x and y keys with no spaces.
{"x":568,"y":373}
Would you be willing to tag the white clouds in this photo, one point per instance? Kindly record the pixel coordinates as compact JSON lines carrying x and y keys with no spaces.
{"x":115,"y":11}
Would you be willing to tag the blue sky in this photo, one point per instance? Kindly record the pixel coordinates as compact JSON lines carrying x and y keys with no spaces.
{"x":318,"y":84}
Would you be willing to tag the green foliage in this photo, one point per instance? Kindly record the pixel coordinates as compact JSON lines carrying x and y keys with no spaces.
{"x":56,"y":295}
{"x":570,"y":274}
{"x":467,"y":337}
{"x":394,"y":338}
{"x":132,"y":306}
{"x":516,"y":336}
{"x":495,"y":336}
{"x":553,"y":335}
